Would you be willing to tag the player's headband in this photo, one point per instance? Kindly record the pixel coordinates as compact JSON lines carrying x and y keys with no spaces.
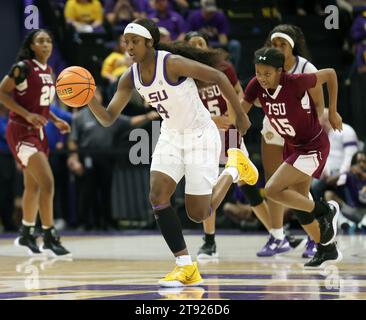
{"x":269,"y":57}
{"x":137,"y":29}
{"x":283,"y":36}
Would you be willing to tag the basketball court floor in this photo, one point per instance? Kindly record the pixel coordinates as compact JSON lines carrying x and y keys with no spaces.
{"x":128,"y":265}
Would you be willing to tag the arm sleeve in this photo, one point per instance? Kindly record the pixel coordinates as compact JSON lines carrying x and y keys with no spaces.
{"x":251,"y":90}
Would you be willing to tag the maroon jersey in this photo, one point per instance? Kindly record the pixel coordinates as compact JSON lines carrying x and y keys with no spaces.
{"x":36,"y":92}
{"x":297,"y":122}
{"x":306,"y":144}
{"x":214,"y":102}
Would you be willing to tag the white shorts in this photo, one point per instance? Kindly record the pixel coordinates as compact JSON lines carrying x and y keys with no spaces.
{"x":270,"y":135}
{"x":194,"y":154}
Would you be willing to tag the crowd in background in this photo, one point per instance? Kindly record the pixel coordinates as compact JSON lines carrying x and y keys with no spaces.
{"x":85,"y":162}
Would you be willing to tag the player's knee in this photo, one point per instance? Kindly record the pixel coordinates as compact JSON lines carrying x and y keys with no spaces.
{"x":32,"y":188}
{"x":198,"y":214}
{"x":271,"y":191}
{"x":47,"y":184}
{"x":158,"y":196}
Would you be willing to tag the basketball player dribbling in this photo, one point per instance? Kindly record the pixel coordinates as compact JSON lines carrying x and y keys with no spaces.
{"x":306,"y":145}
{"x":189,"y":144}
{"x":215,"y":103}
{"x":28,"y":91}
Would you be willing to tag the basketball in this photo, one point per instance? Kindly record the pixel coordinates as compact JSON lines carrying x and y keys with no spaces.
{"x":75,"y":86}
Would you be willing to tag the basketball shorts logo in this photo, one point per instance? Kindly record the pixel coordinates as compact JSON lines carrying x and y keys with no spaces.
{"x":269,"y":135}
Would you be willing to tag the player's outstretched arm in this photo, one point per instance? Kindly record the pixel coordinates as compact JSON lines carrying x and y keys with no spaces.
{"x":178,"y":66}
{"x":329,"y":77}
{"x":107,"y":117}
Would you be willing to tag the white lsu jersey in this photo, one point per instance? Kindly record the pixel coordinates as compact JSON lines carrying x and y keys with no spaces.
{"x":269,"y":134}
{"x":179,"y":104}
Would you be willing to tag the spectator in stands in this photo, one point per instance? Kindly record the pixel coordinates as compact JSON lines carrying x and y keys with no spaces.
{"x":358,"y":33}
{"x":57,"y":159}
{"x":7,"y":176}
{"x":171,"y":20}
{"x":212,"y":21}
{"x":84,"y":15}
{"x":119,"y":13}
{"x":114,"y":66}
{"x":343,"y":145}
{"x":353,"y":203}
{"x":91,"y":160}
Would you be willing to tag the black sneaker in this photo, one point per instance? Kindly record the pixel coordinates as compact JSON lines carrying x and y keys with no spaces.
{"x":207,"y":251}
{"x":328,"y":224}
{"x":28,"y":240}
{"x":324,"y":256}
{"x":52,"y":244}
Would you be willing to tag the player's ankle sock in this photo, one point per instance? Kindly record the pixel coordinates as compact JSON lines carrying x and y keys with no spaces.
{"x":278,"y":233}
{"x":170,"y":227}
{"x":233,"y":172}
{"x":210,"y":238}
{"x":185,"y":260}
{"x":28,"y":224}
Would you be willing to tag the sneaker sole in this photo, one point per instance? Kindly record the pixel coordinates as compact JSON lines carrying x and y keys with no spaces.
{"x":178,"y":284}
{"x":51,"y":254}
{"x":334,"y":221}
{"x":29,"y":251}
{"x":327,"y":263}
{"x":204,"y":256}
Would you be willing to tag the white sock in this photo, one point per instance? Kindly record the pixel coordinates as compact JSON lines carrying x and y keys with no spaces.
{"x":28,"y":224}
{"x":183,"y":260}
{"x":277,"y":233}
{"x":233,"y":172}
{"x":46,"y":227}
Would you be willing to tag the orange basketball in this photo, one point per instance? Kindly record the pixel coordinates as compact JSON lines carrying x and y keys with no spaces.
{"x":75,"y":86}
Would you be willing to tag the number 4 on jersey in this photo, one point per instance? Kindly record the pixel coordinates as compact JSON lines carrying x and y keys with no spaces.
{"x":161,"y":110}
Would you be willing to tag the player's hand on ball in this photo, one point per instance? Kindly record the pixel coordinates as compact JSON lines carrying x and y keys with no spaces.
{"x":335,"y":121}
{"x":36,"y":120}
{"x":63,"y":126}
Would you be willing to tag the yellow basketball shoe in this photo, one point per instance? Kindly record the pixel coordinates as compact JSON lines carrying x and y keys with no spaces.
{"x":182,"y":277}
{"x":247,"y":170}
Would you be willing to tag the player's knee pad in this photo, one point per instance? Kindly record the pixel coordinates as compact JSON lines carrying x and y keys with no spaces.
{"x":252,"y":194}
{"x":304,"y":217}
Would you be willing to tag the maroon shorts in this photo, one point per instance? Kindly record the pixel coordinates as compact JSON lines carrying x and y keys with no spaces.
{"x":310,"y":158}
{"x":24,"y":141}
{"x":230,"y":139}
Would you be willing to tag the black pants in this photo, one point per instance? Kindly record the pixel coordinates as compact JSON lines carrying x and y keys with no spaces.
{"x":94,"y":192}
{"x":7,"y":190}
